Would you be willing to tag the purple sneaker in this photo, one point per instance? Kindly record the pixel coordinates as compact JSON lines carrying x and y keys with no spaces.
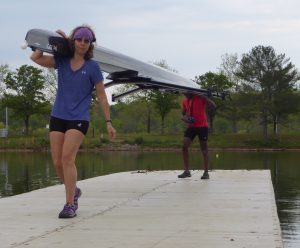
{"x":76,"y":197}
{"x":69,"y":211}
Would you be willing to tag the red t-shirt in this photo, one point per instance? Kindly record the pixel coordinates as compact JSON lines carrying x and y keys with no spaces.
{"x":196,"y":107}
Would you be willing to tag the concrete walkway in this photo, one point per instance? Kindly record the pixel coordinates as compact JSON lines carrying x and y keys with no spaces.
{"x":147,"y":210}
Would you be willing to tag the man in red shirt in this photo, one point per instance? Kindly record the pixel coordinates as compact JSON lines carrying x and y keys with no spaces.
{"x":194,"y":114}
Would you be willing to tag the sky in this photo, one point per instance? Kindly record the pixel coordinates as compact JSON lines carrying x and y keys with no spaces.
{"x":190,"y":35}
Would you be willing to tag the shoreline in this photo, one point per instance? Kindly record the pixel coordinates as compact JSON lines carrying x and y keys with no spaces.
{"x":154,"y":149}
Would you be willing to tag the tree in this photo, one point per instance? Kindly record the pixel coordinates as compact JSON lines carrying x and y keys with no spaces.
{"x":50,"y":84}
{"x":228,"y":68}
{"x":24,"y":93}
{"x":147,"y":99}
{"x":218,"y":82}
{"x":239,"y":107}
{"x":272,"y":77}
{"x":4,"y":69}
{"x":164,"y":102}
{"x":144,"y":97}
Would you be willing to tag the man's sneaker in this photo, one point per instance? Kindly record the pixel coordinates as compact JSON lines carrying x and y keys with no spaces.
{"x":69,"y":211}
{"x":76,"y":197}
{"x":185,"y":174}
{"x":205,"y":175}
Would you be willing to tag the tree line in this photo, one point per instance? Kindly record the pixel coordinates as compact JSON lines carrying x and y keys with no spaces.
{"x":262,"y":86}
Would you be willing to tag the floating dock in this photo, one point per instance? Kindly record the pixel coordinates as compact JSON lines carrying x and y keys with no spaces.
{"x":235,"y":208}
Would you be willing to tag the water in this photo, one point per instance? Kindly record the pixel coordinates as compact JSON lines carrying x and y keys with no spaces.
{"x":24,"y":172}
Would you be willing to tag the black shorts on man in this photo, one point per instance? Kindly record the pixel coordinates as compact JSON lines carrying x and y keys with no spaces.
{"x":201,"y":132}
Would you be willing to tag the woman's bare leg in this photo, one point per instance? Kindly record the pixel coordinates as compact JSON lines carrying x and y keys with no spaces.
{"x":72,"y":142}
{"x":56,"y":145}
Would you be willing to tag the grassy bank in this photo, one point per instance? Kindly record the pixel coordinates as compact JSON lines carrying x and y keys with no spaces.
{"x":173,"y":141}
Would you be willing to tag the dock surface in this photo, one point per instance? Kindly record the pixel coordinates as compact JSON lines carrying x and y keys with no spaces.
{"x":235,"y":208}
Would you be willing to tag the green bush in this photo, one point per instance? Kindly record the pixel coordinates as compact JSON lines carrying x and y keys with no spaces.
{"x":241,"y":140}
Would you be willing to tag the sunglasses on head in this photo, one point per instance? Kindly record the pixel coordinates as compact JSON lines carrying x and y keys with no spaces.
{"x":86,"y":41}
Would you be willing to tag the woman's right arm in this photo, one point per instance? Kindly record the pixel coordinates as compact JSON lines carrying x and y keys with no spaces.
{"x":43,"y":60}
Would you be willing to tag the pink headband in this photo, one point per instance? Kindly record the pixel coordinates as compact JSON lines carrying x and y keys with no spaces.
{"x":84,"y":33}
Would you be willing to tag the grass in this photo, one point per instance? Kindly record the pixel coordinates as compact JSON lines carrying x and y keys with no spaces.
{"x":143,"y":140}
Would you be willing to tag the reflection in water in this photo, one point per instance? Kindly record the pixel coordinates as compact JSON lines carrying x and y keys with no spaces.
{"x":4,"y":172}
{"x":287,"y":192}
{"x":23,"y":172}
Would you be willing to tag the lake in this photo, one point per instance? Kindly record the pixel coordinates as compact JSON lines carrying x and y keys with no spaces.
{"x":24,"y":172}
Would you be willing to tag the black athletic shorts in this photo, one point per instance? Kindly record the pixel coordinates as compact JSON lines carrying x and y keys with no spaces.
{"x":201,"y":132}
{"x":61,"y":125}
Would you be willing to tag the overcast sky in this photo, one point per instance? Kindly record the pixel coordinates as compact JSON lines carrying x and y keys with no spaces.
{"x":191,"y":35}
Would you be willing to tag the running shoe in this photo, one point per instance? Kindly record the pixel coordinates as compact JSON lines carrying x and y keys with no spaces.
{"x":185,"y":174}
{"x":205,"y":175}
{"x":69,"y":211}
